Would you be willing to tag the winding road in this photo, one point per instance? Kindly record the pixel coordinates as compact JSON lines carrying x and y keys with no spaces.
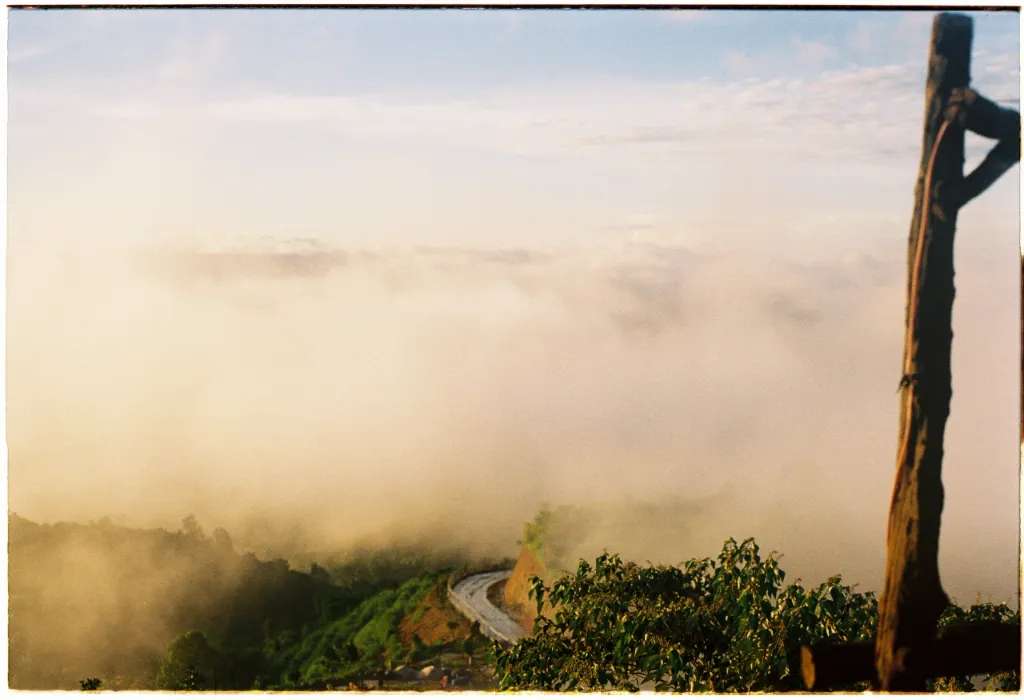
{"x":470,"y":598}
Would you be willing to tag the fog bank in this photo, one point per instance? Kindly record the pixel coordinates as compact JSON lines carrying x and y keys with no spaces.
{"x":307,"y":397}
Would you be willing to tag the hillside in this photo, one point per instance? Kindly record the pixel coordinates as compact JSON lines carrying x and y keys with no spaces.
{"x":152,"y":608}
{"x":105,"y":601}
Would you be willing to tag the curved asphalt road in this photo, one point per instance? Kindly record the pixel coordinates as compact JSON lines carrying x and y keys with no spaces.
{"x":471,"y":593}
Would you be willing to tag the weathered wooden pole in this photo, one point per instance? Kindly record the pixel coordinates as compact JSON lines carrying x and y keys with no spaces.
{"x":913,"y":597}
{"x":906,"y":649}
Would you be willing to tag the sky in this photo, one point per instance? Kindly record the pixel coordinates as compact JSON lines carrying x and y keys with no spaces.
{"x":312,"y":275}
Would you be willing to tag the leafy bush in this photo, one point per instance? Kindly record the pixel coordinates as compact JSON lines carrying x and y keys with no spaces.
{"x":710,"y":625}
{"x":535,"y":532}
{"x":724,"y":625}
{"x":90,"y":683}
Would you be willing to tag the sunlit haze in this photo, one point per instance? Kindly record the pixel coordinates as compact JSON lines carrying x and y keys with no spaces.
{"x":323,"y":276}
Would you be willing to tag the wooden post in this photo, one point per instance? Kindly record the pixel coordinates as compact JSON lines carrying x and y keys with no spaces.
{"x":913,"y":597}
{"x":906,"y":651}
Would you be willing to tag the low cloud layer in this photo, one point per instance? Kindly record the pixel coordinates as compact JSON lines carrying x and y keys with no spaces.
{"x":318,"y":297}
{"x":309,"y":397}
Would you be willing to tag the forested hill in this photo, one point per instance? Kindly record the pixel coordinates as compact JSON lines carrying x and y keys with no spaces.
{"x":103,"y":601}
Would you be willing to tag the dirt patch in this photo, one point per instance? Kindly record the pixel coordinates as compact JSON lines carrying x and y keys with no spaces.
{"x":516,"y":594}
{"x":434,"y":621}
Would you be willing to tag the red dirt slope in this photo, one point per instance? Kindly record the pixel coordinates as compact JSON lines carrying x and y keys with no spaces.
{"x":517,"y":589}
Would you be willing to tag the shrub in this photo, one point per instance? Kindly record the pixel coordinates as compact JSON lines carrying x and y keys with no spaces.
{"x":727,"y":624}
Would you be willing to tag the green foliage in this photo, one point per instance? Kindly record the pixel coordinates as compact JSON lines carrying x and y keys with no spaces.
{"x":365,"y":572}
{"x":320,"y":573}
{"x":155,"y":583}
{"x":553,"y":532}
{"x":727,"y":624}
{"x":724,"y":625}
{"x":535,"y":532}
{"x":355,"y":645}
{"x":191,"y":664}
{"x":253,"y":623}
{"x":981,"y":612}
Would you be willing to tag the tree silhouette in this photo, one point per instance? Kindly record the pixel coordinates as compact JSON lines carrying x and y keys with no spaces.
{"x":191,"y":664}
{"x":90,"y":683}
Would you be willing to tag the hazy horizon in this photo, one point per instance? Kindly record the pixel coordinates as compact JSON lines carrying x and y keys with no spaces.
{"x":323,"y":276}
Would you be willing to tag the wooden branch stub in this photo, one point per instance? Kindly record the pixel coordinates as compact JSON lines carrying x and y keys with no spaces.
{"x":976,"y":113}
{"x":825,"y":666}
{"x":962,"y":650}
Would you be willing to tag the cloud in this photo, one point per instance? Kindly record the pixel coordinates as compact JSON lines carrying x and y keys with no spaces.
{"x":739,"y":63}
{"x":512,"y":257}
{"x":222,"y":265}
{"x":651,"y":134}
{"x":792,"y":310}
{"x":627,"y":289}
{"x":346,"y":392}
{"x":864,"y":37}
{"x":792,"y":119}
{"x":813,"y":53}
{"x":191,"y":59}
{"x":20,"y":53}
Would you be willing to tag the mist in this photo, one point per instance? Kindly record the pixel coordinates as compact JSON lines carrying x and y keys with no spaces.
{"x":333,"y":280}
{"x":308,"y":398}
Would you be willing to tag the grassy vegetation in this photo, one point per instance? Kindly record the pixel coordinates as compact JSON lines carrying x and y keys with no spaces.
{"x":356,"y":645}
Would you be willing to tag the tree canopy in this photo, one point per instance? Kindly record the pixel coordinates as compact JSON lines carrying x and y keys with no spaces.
{"x":191,"y":664}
